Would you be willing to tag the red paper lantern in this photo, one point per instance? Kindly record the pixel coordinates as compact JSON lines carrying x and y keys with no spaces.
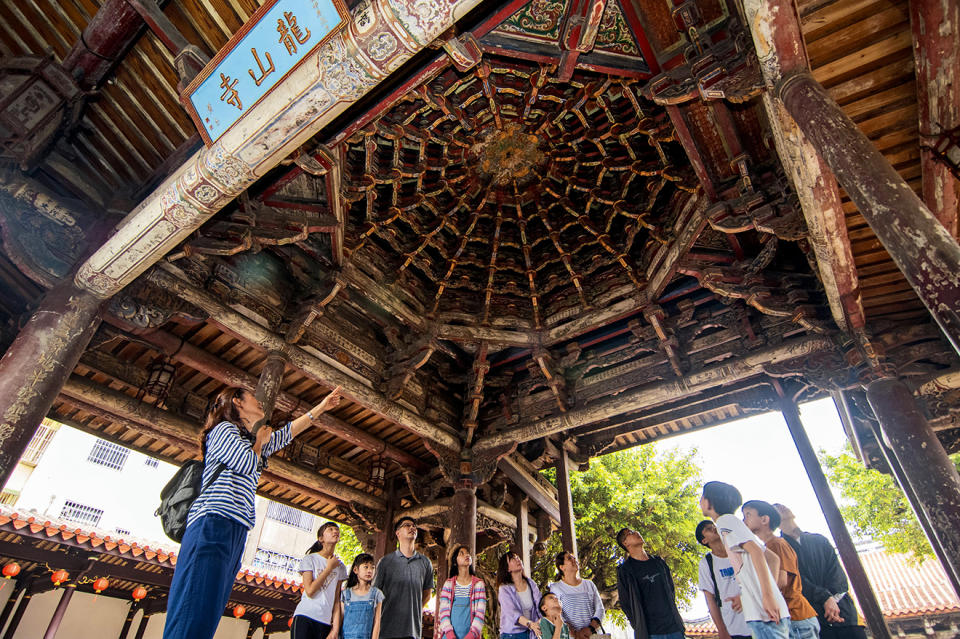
{"x":59,"y":576}
{"x":290,"y":622}
{"x":266,"y":617}
{"x":139,"y":593}
{"x":239,"y":611}
{"x":11,"y":570}
{"x":100,"y":585}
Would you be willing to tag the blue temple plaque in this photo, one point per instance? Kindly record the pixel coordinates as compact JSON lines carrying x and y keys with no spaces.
{"x":256,"y":59}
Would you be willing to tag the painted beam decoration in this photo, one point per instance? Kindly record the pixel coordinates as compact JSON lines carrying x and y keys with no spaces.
{"x":277,"y":38}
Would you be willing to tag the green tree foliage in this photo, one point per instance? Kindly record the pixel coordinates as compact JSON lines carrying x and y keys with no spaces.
{"x":655,"y":494}
{"x":349,"y":546}
{"x":876,"y":507}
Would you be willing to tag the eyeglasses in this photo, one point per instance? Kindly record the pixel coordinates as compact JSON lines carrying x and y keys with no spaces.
{"x":407,"y":524}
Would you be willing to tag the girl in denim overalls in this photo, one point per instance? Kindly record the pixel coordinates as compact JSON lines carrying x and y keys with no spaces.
{"x":361,"y":602}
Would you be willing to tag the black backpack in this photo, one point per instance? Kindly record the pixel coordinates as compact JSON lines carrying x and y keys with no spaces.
{"x":178,"y":496}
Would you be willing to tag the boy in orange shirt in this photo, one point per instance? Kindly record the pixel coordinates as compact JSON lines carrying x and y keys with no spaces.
{"x":763,"y":519}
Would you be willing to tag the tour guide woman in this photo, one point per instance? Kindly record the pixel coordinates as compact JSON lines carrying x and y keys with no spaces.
{"x":220,"y":518}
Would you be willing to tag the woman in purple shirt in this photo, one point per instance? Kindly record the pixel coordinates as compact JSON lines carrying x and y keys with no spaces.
{"x":518,"y":597}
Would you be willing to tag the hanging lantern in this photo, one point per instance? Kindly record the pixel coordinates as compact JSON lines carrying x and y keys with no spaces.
{"x":378,"y":471}
{"x":159,"y":381}
{"x":266,"y":617}
{"x":239,"y":611}
{"x":11,"y":570}
{"x":59,"y":576}
{"x":100,"y":585}
{"x":290,"y":622}
{"x":139,"y":593}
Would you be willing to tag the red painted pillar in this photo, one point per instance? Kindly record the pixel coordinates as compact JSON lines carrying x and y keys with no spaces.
{"x":926,"y":467}
{"x":925,"y":253}
{"x":39,"y":361}
{"x":936,"y":52}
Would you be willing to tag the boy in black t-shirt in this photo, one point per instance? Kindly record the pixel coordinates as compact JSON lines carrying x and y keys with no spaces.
{"x":647,"y":593}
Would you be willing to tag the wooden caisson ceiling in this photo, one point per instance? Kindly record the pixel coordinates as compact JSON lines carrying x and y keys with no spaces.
{"x":538,"y":240}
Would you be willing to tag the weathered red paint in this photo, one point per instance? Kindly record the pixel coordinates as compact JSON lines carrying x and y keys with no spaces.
{"x":925,"y":253}
{"x":113,"y":30}
{"x":925,"y":464}
{"x":936,"y":51}
{"x":37,"y":364}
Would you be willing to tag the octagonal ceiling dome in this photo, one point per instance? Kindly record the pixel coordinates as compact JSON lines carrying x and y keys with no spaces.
{"x":504,"y":197}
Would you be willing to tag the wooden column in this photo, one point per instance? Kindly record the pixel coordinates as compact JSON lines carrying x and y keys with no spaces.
{"x":932,"y":477}
{"x":142,"y":626}
{"x":131,"y":613}
{"x":921,"y":247}
{"x":37,"y":364}
{"x":271,"y":377}
{"x":386,"y":540}
{"x":928,"y":529}
{"x":936,"y":51}
{"x":522,"y":539}
{"x":841,"y":536}
{"x":60,"y":611}
{"x":463,"y":517}
{"x":18,"y":613}
{"x":568,"y":526}
{"x":21,"y":585}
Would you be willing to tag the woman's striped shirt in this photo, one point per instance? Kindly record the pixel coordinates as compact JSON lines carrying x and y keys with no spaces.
{"x":580,"y":603}
{"x":231,"y":495}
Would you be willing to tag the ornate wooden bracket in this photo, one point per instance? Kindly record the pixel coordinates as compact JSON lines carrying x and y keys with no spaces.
{"x":669,"y":343}
{"x":313,"y":307}
{"x":464,"y":51}
{"x":475,"y":391}
{"x":407,"y":362}
{"x":141,"y":307}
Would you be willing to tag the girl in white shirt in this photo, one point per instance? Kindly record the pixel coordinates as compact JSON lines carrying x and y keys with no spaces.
{"x":318,"y":614}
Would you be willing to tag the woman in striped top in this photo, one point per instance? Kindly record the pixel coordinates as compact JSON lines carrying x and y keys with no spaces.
{"x":463,"y":599}
{"x":582,"y":607}
{"x":223,"y":513}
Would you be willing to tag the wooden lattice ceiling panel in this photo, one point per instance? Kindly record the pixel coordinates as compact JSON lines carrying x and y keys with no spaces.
{"x":505,"y":197}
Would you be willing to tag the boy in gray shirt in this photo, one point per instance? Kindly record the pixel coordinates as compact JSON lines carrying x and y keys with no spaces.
{"x":406,"y":578}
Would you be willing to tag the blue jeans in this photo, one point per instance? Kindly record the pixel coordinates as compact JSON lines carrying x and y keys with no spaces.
{"x":207,"y":566}
{"x":805,"y":629}
{"x":770,"y":630}
{"x":515,"y":635}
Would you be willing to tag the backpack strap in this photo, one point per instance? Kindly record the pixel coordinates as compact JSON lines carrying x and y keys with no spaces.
{"x":713,"y":578}
{"x":213,"y":479}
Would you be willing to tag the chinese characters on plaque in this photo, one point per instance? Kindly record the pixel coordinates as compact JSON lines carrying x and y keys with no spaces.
{"x":278,"y":36}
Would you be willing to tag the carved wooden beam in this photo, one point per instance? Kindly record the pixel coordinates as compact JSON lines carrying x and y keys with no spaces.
{"x":313,"y":366}
{"x":312,"y":308}
{"x":333,"y":77}
{"x":494,"y":336}
{"x":166,"y":423}
{"x":407,"y":362}
{"x":652,"y":395}
{"x":516,"y":471}
{"x":226,"y":373}
{"x":936,"y":51}
{"x":689,"y":224}
{"x":475,"y":391}
{"x":781,"y":51}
